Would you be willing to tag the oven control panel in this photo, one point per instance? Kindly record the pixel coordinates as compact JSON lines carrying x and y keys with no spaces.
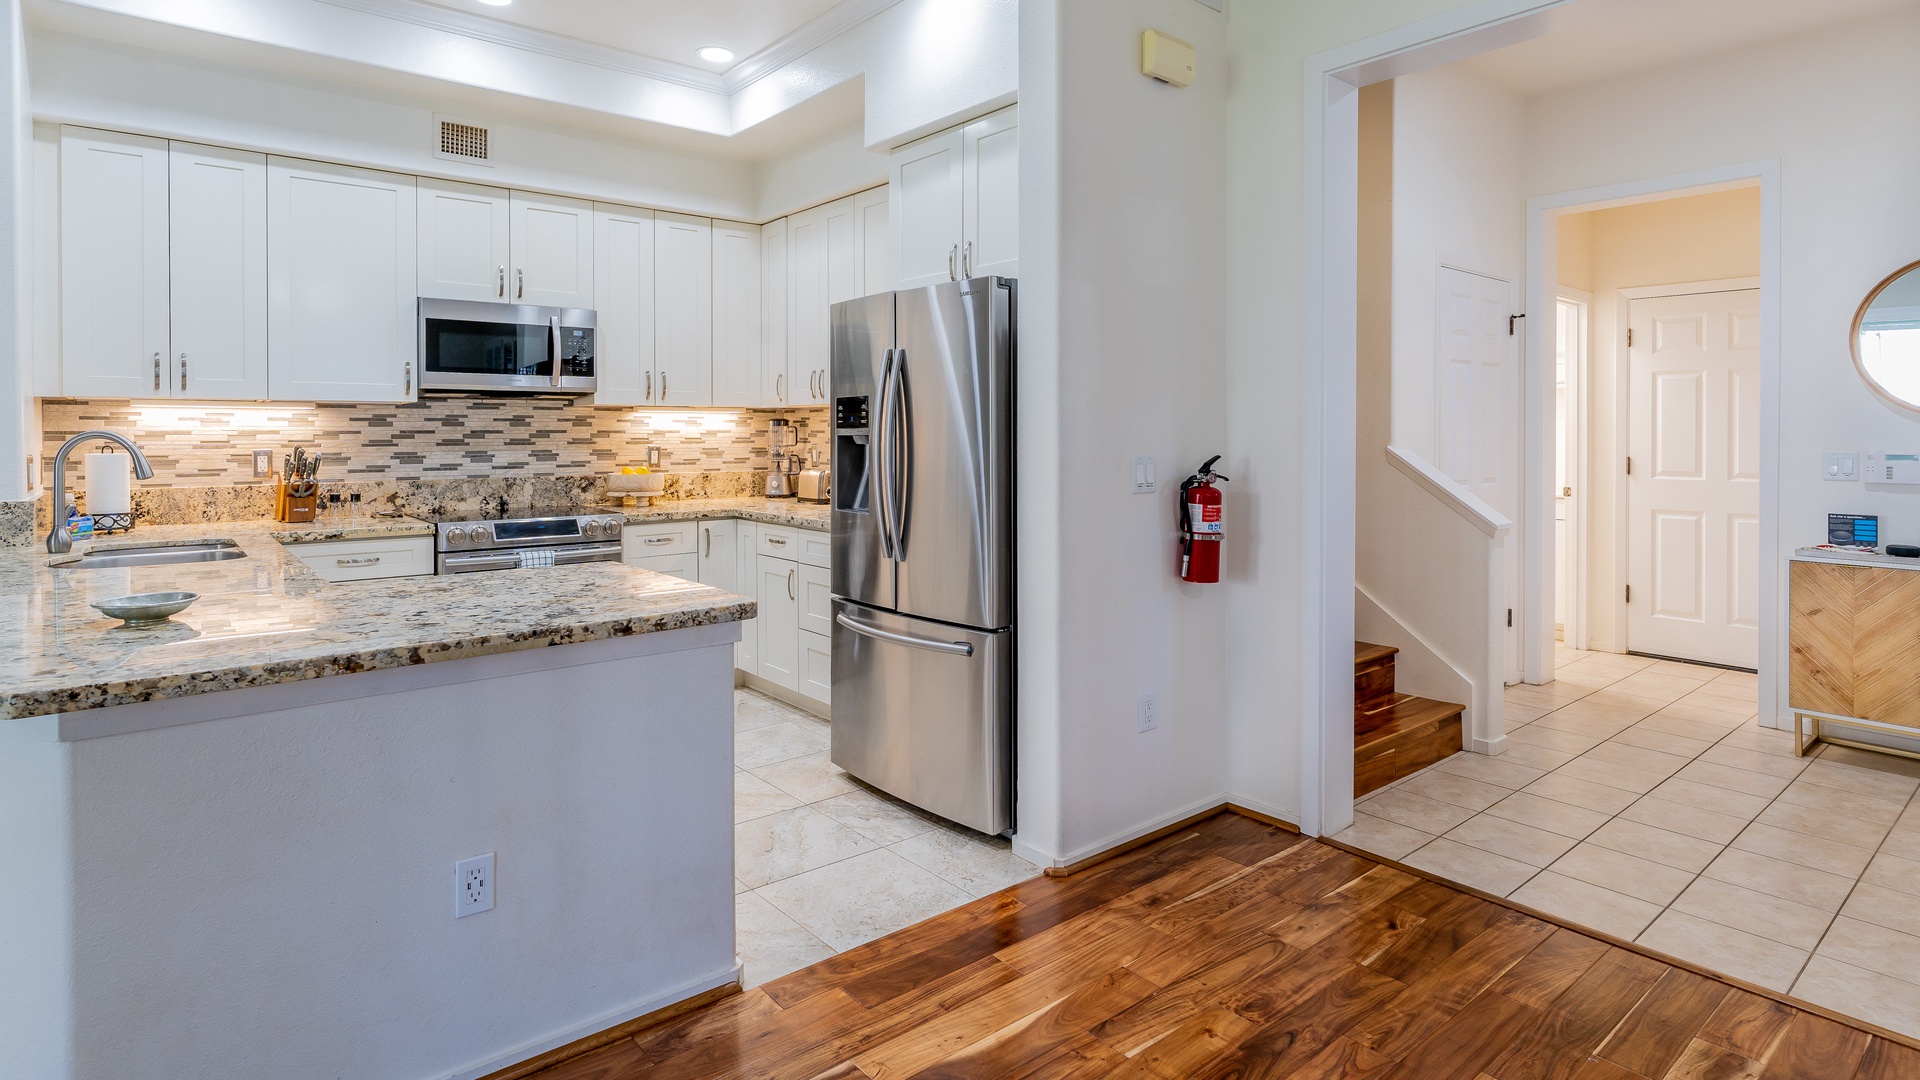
{"x":527,"y":532}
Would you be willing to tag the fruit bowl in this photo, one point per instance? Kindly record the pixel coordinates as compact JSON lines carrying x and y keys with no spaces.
{"x":636,"y":490}
{"x":145,"y":609}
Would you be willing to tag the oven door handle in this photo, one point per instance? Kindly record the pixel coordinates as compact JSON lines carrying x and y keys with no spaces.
{"x":553,"y":326}
{"x":498,"y":560}
{"x":603,"y":553}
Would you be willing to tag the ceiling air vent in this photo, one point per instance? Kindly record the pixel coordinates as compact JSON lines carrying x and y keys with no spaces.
{"x":462,"y":141}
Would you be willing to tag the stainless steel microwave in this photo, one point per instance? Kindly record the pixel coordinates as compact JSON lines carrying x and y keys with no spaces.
{"x":510,"y":348}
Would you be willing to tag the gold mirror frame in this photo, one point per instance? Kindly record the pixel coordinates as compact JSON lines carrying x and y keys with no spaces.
{"x":1853,"y":339}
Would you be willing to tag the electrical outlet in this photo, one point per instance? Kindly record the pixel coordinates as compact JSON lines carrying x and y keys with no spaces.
{"x":653,"y":457}
{"x":1146,"y":478}
{"x":262,"y":463}
{"x":473,"y":885}
{"x":1149,"y":712}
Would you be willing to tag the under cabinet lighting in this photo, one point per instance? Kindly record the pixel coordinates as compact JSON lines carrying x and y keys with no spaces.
{"x":712,"y":54}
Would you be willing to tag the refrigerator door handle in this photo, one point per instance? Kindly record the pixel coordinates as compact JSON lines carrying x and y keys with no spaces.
{"x":880,"y":457}
{"x":899,"y":465}
{"x":957,"y":648}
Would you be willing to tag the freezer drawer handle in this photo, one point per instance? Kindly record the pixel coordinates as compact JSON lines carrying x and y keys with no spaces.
{"x":957,"y":648}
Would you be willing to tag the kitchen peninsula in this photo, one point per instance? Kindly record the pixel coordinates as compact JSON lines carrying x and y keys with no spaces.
{"x":231,"y":836}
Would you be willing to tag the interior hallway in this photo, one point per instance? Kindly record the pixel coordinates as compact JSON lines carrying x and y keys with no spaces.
{"x":1642,"y":799}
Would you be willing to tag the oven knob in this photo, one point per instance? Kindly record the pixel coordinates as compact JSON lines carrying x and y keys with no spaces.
{"x":592,"y":529}
{"x":613,"y":526}
{"x":478,"y":534}
{"x":456,"y":535}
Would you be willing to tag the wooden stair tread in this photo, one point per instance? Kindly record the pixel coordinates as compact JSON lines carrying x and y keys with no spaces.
{"x":1365,"y":653}
{"x":1410,"y":714}
{"x":1411,"y":735}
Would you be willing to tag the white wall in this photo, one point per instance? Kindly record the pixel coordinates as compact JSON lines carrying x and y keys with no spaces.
{"x":807,"y":176}
{"x":1832,"y":108}
{"x":19,"y":428}
{"x":932,"y":64}
{"x":1121,"y":346}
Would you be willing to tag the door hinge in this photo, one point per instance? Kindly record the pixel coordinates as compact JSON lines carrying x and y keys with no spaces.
{"x":1511,"y":319}
{"x":1509,"y":616}
{"x":1629,"y":337}
{"x":1629,"y":594}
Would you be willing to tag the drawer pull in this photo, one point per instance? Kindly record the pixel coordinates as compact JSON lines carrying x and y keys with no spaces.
{"x":658,"y":540}
{"x":777,"y":541}
{"x":362,"y":560}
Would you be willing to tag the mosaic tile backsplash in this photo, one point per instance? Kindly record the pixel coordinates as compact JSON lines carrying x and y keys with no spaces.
{"x":436,"y":438}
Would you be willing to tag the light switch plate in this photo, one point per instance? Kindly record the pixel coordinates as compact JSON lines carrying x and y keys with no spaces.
{"x":1840,"y":465}
{"x":1146,"y":475}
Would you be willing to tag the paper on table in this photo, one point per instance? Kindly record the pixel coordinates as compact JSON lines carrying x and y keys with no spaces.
{"x":109,"y":484}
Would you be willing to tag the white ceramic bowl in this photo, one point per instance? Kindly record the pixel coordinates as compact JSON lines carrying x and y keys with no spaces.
{"x":144,"y":608}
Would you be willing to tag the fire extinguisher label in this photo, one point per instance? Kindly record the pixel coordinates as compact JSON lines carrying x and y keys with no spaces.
{"x":1204,"y":520}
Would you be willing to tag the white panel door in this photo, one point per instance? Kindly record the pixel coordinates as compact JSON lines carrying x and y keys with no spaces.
{"x":340,"y":283}
{"x":719,"y":554}
{"x":736,"y":314}
{"x":990,"y":228}
{"x":926,"y":190}
{"x":779,"y":621}
{"x":774,"y":385}
{"x":809,"y":336}
{"x":746,"y":654}
{"x":1477,"y":421}
{"x":843,"y":283}
{"x":464,"y":252}
{"x":682,"y":309}
{"x":873,"y":243}
{"x":552,"y":240}
{"x":623,"y":295}
{"x":219,"y":272}
{"x":1693,"y":487}
{"x":816,"y":666}
{"x":113,"y":265}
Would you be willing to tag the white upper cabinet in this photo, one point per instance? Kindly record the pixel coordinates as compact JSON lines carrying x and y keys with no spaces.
{"x":219,"y":272}
{"x":623,"y":297}
{"x":552,"y":240}
{"x":990,"y":160}
{"x":956,"y":203}
{"x":736,"y":314}
{"x":113,"y":265}
{"x":340,"y":283}
{"x":683,"y":309}
{"x":822,"y":262}
{"x":464,"y":252}
{"x":926,"y":195}
{"x":873,"y":242}
{"x":774,"y":387}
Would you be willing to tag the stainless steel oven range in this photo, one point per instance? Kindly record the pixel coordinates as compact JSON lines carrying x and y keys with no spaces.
{"x":513,"y":539}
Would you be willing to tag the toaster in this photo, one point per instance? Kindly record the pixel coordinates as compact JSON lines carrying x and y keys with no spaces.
{"x":814,"y":485}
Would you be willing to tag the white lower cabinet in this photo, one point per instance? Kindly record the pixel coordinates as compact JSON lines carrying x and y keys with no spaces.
{"x":364,"y":560}
{"x":680,"y":566}
{"x":746,"y":580}
{"x":816,"y":666}
{"x":779,"y":621}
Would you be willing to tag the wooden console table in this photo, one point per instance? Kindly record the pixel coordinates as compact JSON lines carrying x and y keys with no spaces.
{"x":1853,"y":635}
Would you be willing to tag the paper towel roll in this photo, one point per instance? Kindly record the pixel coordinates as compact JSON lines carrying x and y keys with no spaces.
{"x":109,"y":484}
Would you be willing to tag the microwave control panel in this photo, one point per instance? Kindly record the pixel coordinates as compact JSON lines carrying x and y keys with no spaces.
{"x":576,"y":349}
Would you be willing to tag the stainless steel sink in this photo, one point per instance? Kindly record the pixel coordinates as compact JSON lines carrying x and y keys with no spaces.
{"x":219,"y":551}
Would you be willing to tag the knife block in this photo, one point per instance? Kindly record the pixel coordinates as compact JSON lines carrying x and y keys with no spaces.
{"x":290,"y":507}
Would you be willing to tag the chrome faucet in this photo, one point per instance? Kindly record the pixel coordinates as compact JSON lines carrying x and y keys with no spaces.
{"x":59,"y":540}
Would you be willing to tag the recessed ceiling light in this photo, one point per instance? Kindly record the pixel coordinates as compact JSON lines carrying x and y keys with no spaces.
{"x":714,"y":54}
{"x":496,"y":3}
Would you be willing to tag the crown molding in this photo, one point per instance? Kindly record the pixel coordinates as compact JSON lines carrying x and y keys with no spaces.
{"x":816,"y":32}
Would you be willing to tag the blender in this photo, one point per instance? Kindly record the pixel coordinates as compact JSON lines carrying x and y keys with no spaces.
{"x":783,"y":467}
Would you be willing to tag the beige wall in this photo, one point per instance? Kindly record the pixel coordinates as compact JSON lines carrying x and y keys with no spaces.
{"x":1699,"y":238}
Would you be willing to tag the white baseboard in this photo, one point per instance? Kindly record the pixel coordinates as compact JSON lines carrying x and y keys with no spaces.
{"x":780,"y":693}
{"x":1261,"y":806}
{"x":1491,"y":747}
{"x":618,"y":1016}
{"x":1125,"y":836}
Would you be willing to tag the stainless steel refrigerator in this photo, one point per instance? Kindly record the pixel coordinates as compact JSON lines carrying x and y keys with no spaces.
{"x":922,"y":387}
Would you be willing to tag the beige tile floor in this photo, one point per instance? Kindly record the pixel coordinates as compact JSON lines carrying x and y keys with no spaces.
{"x":822,"y":863}
{"x":1643,"y":799}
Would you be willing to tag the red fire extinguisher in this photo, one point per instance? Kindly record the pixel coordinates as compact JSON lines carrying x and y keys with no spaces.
{"x":1201,"y":525}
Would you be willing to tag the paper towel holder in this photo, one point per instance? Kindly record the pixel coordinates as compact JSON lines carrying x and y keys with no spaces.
{"x":111,"y":523}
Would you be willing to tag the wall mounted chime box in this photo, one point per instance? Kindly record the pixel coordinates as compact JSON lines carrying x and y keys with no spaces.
{"x":1166,"y":58}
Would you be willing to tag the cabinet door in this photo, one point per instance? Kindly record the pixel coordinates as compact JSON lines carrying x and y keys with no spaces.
{"x":814,"y":584}
{"x":464,"y":253}
{"x":774,"y":387}
{"x":113,"y":265}
{"x":736,"y":314}
{"x":340,"y":280}
{"x":816,"y":667}
{"x":925,"y":215}
{"x":681,"y":566}
{"x":808,"y":333}
{"x":719,"y":554}
{"x":873,"y":243}
{"x":990,"y":151}
{"x":218,"y":210}
{"x":746,"y":654}
{"x":623,"y":295}
{"x":552,"y":241}
{"x":682,"y":309}
{"x":779,"y":627}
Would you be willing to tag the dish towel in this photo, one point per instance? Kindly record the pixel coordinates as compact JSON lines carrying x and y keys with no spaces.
{"x":536,"y":557}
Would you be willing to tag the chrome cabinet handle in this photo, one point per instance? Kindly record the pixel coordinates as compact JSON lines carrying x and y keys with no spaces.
{"x":408,"y":388}
{"x":780,"y":387}
{"x":966,"y":261}
{"x":663,"y":386}
{"x":183,"y":371}
{"x":709,"y":552}
{"x":364,"y":560}
{"x":520,"y":272}
{"x":658,"y":540}
{"x":790,"y":595}
{"x":156,"y":373}
{"x":649,"y":386}
{"x":777,"y":541}
{"x":953,"y":256}
{"x":957,"y":648}
{"x":503,"y":281}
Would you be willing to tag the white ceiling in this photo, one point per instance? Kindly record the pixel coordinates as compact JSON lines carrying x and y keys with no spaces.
{"x":665,"y":29}
{"x":1643,"y":36}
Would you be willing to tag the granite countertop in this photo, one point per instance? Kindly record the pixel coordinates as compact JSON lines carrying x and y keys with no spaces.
{"x":267,"y":619}
{"x":1854,"y":558}
{"x":793,"y":512}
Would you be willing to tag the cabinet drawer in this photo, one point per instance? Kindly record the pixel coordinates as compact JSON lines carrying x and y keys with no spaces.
{"x":816,"y":548}
{"x":664,"y":538}
{"x":816,"y":667}
{"x":815,"y":597}
{"x":686,"y":565}
{"x":362,"y":560}
{"x":780,"y":542}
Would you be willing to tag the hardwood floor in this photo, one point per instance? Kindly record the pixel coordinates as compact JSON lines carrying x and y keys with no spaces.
{"x":1235,"y":949}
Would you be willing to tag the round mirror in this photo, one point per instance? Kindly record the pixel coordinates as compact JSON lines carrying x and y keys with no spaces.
{"x":1886,"y":338}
